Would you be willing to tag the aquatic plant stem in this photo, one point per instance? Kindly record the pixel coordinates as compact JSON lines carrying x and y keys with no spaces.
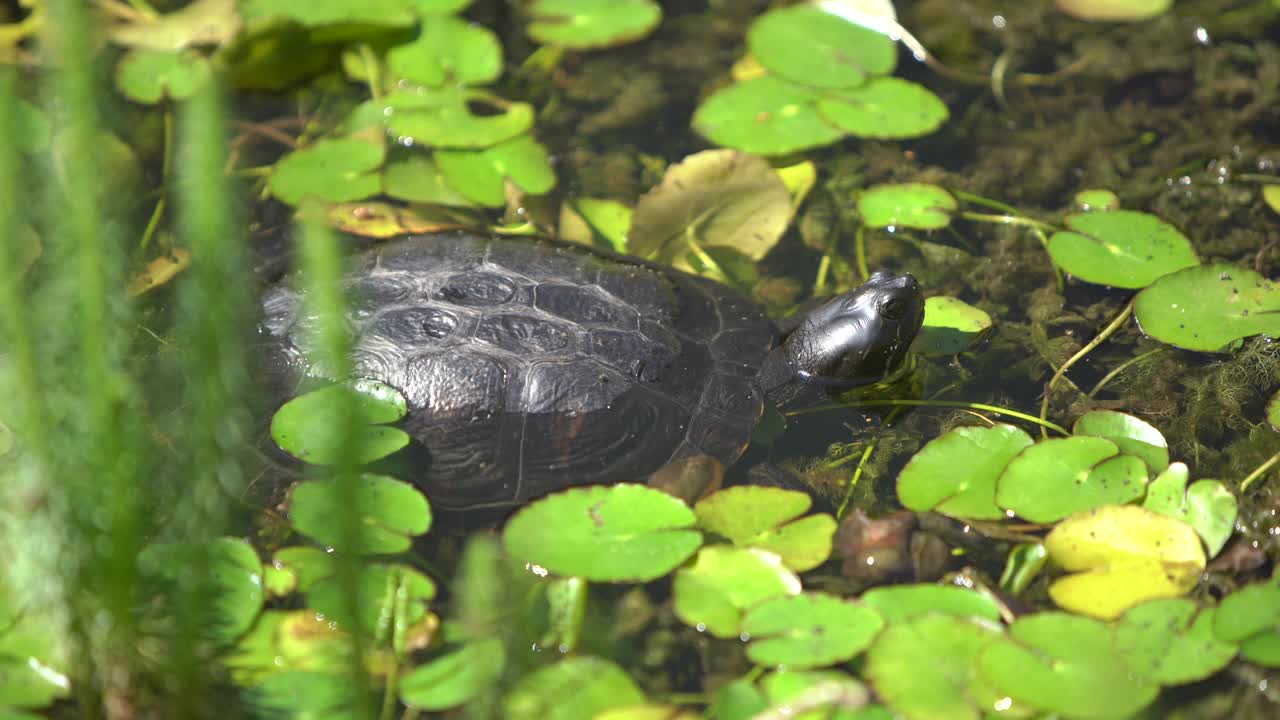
{"x":1112,"y":327}
{"x":860,"y":252}
{"x":1121,"y":368}
{"x":1258,"y":472}
{"x":937,"y":403}
{"x":166,"y":165}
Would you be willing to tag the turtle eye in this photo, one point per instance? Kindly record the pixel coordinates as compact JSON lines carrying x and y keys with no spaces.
{"x":893,"y":308}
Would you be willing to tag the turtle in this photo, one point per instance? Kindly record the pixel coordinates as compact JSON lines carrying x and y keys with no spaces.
{"x":531,"y":365}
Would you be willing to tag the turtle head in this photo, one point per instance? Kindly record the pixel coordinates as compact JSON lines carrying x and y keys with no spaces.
{"x":853,"y":339}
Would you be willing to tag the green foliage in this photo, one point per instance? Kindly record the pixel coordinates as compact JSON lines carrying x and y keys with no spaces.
{"x":951,"y":326}
{"x":395,"y":512}
{"x":1121,"y":248}
{"x":910,"y":205}
{"x":809,"y":630}
{"x":307,"y":426}
{"x":589,"y":24}
{"x":712,"y":593}
{"x":1229,"y":303}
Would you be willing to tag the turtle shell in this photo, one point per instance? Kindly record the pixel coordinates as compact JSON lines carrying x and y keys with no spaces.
{"x":532,"y":365}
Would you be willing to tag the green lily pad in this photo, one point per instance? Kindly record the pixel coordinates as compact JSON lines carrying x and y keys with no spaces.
{"x":149,"y":76}
{"x":1054,"y":478}
{"x":956,"y":473}
{"x":886,"y":108}
{"x":827,"y":694}
{"x":1114,"y":10}
{"x":200,"y":22}
{"x":448,"y":50}
{"x":305,"y":563}
{"x":414,"y":176}
{"x":572,"y":689}
{"x":1120,"y":248}
{"x":1208,"y":506}
{"x":338,"y":170}
{"x":617,"y":533}
{"x":286,"y":641}
{"x":809,"y":630}
{"x":1250,"y":617}
{"x":587,"y":24}
{"x":769,"y":518}
{"x":764,"y":115}
{"x":899,"y":603}
{"x":233,"y":581}
{"x":950,"y":326}
{"x":481,"y":175}
{"x":1133,"y":436}
{"x":392,"y":513}
{"x":455,"y":677}
{"x":1172,"y":641}
{"x":389,"y":599}
{"x":309,"y":428}
{"x":925,"y":667}
{"x":809,"y":46}
{"x":1123,"y":555}
{"x":1065,"y":664}
{"x":1095,"y":200}
{"x":1023,"y":565}
{"x":609,"y":218}
{"x":442,"y":119}
{"x":716,"y":199}
{"x":712,"y":593}
{"x":1210,"y":307}
{"x":906,"y":205}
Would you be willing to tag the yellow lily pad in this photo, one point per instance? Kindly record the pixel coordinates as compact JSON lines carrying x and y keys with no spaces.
{"x":1121,"y":556}
{"x":159,"y":271}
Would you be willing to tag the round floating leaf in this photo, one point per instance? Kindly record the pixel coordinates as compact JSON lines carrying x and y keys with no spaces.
{"x":1067,"y":665}
{"x":149,"y":76}
{"x":1250,"y":616}
{"x":481,"y":175}
{"x":765,"y":517}
{"x":610,"y":218}
{"x":925,"y":667}
{"x":898,"y":603}
{"x":717,"y":199}
{"x":392,"y":513}
{"x":305,"y":563}
{"x":886,"y":108}
{"x":337,"y":170}
{"x":415,"y":177}
{"x":831,"y":694}
{"x":1120,"y":248}
{"x":395,"y":594}
{"x":951,"y":326}
{"x":906,"y":205}
{"x":1095,"y":200}
{"x":711,"y":594}
{"x":455,"y":677}
{"x":807,"y":45}
{"x":1171,"y":641}
{"x":439,"y":7}
{"x":616,"y":533}
{"x":572,"y":689}
{"x":1123,"y":555}
{"x":442,"y":119}
{"x":1208,"y":506}
{"x":1208,"y":308}
{"x":956,"y":473}
{"x":1054,"y":478}
{"x":448,"y":50}
{"x":308,"y":427}
{"x":1113,"y":10}
{"x":809,"y":630}
{"x":586,"y":24}
{"x":1133,"y":436}
{"x":764,"y":115}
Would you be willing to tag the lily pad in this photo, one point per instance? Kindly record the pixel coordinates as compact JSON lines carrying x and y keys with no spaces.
{"x":455,"y":677}
{"x":1120,"y":248}
{"x":809,"y":630}
{"x":898,"y":603}
{"x":955,"y":474}
{"x":723,"y":582}
{"x":337,"y":170}
{"x":617,"y":533}
{"x":448,"y":50}
{"x":809,"y":46}
{"x":1123,"y":555}
{"x":1114,"y":10}
{"x":442,"y":119}
{"x":574,"y":688}
{"x":1271,"y":196}
{"x":1054,"y":478}
{"x":765,"y":115}
{"x":415,"y":177}
{"x":1067,"y":665}
{"x":308,"y":426}
{"x":609,"y":218}
{"x":149,"y":76}
{"x":1133,"y":436}
{"x":392,"y":514}
{"x":389,"y":599}
{"x":1250,"y":617}
{"x":481,"y":175}
{"x":925,"y":667}
{"x":1172,"y":641}
{"x":1208,"y":506}
{"x":587,"y":24}
{"x":769,"y":518}
{"x":1095,"y":200}
{"x":712,"y":199}
{"x":886,"y":108}
{"x":305,"y":563}
{"x":950,"y":326}
{"x":826,"y":694}
{"x":907,"y":205}
{"x":1210,"y":307}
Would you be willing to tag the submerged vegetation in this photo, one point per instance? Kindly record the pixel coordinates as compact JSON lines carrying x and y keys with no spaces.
{"x":1066,"y":507}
